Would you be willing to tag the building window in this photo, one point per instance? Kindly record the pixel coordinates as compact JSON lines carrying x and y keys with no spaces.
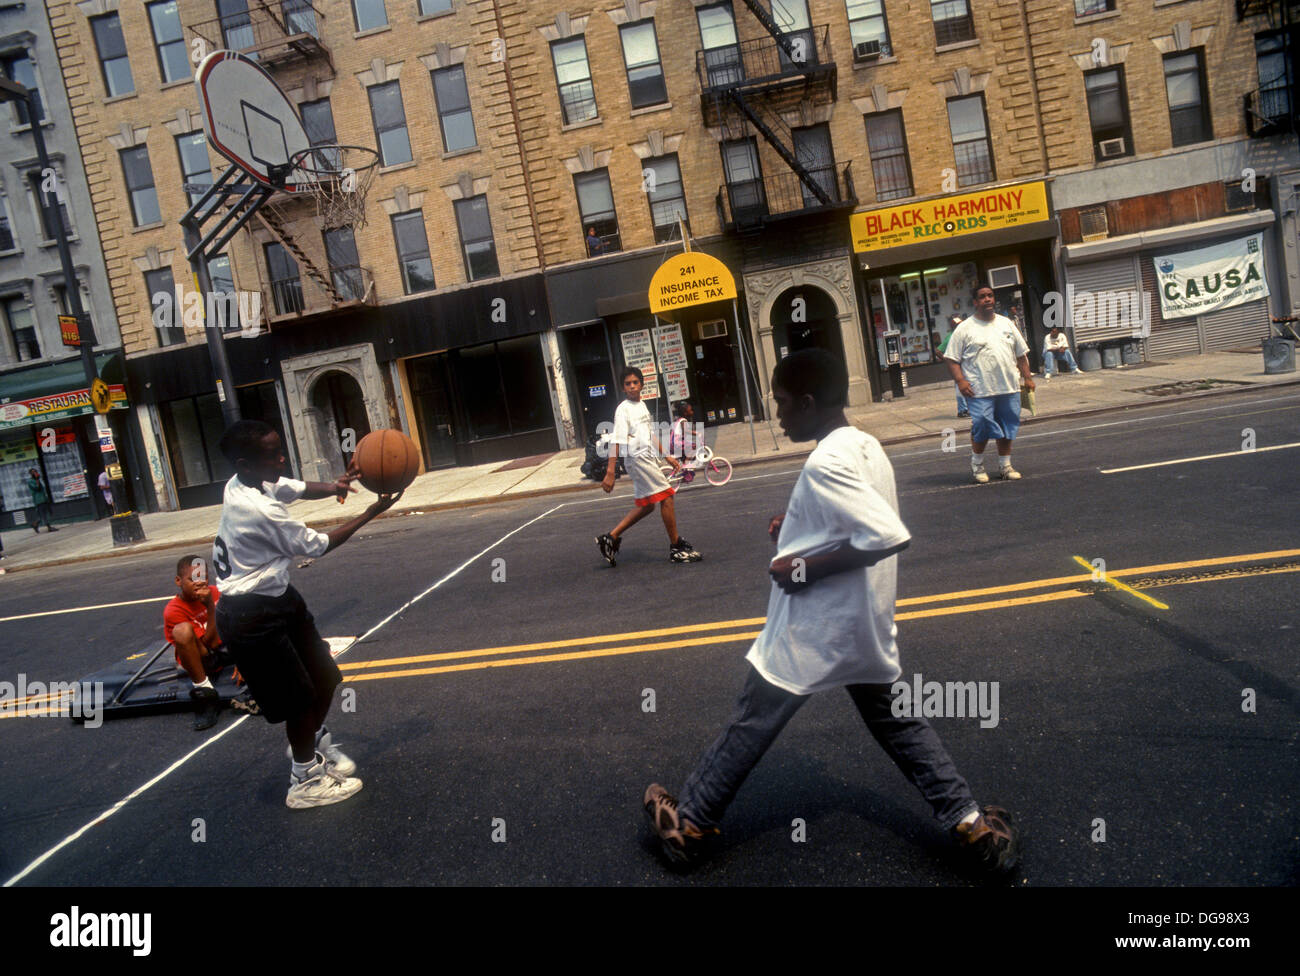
{"x":970,"y":140}
{"x":1189,"y":103}
{"x":114,"y":63}
{"x":413,"y":252}
{"x":300,"y":17}
{"x":169,"y":41}
{"x":318,"y":122}
{"x":21,"y":329}
{"x":451,"y":95}
{"x":286,"y":283}
{"x":428,"y":7}
{"x":477,"y":244}
{"x":722,"y":61}
{"x":1270,"y":62}
{"x":46,"y":204}
{"x":195,"y":166}
{"x":663,"y":185}
{"x":192,"y":430}
{"x":744,"y":174}
{"x":868,"y":26}
{"x":577,"y":96}
{"x":167,"y":320}
{"x":503,"y":387}
{"x":645,"y":75}
{"x":223,"y":284}
{"x":1108,"y":112}
{"x":890,"y":166}
{"x":1082,"y":8}
{"x":345,"y":264}
{"x":236,"y":24}
{"x":952,"y":21}
{"x":64,"y":303}
{"x":596,"y":205}
{"x":390,"y":123}
{"x":369,"y":14}
{"x":18,"y":67}
{"x":140,"y":185}
{"x":8,"y":242}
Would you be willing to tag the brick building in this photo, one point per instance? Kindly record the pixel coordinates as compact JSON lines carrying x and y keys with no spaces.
{"x":860,"y":165}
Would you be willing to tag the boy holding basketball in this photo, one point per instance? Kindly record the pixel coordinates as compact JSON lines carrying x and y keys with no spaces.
{"x":830,"y":624}
{"x":264,"y":621}
{"x":640,"y":456}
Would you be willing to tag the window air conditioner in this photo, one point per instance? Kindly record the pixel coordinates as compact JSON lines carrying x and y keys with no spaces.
{"x":711,"y":329}
{"x":1112,"y":147}
{"x":1002,"y":277}
{"x":866,"y":50}
{"x":1093,"y":225}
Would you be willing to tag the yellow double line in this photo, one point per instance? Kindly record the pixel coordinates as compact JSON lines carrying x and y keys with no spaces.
{"x":747,"y":628}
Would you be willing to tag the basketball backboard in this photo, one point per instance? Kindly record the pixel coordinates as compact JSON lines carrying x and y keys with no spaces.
{"x":248,"y":118}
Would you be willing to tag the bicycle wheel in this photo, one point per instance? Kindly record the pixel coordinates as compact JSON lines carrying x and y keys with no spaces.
{"x":718,"y":471}
{"x":674,"y":480}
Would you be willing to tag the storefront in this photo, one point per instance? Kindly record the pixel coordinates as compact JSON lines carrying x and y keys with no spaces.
{"x":46,"y":423}
{"x":921,"y":264}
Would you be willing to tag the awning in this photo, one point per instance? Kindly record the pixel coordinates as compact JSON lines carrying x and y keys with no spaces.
{"x":932,"y":250}
{"x":54,"y":378}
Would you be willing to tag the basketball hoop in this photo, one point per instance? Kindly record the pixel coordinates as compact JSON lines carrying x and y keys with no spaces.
{"x":339,"y":177}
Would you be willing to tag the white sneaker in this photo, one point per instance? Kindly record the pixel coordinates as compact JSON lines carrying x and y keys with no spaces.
{"x":333,"y":755}
{"x":320,"y":787}
{"x":981,"y":476}
{"x":1009,"y":473}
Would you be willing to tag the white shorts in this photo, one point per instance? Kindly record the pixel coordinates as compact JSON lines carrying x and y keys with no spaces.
{"x":648,"y":482}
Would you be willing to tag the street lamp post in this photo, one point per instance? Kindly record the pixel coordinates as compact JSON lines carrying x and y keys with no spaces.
{"x":125,"y":524}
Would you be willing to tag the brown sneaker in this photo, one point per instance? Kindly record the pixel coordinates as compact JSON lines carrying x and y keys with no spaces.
{"x":681,"y":840}
{"x":991,"y":842}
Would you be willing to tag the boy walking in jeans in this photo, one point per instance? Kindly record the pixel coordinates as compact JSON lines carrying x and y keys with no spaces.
{"x":830,"y":624}
{"x":265,"y":623}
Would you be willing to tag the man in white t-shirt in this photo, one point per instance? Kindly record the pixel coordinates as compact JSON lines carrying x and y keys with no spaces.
{"x":830,"y":624}
{"x":267,"y":627}
{"x":641,"y":454}
{"x":984,"y":354}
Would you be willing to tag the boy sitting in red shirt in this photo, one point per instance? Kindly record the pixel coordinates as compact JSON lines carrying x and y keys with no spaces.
{"x":190,"y":624}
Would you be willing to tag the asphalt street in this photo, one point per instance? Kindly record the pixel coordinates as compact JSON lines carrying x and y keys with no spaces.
{"x":502,"y":721}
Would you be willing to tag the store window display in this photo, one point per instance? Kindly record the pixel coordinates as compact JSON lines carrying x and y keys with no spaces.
{"x":924,"y":306}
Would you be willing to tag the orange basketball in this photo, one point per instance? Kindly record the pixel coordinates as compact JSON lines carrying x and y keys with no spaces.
{"x":388,"y":461}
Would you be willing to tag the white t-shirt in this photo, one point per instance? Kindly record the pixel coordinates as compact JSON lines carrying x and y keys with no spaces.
{"x":632,"y":428}
{"x":988,"y":352}
{"x":840,"y":630}
{"x":257,"y":539}
{"x":1056,"y":344}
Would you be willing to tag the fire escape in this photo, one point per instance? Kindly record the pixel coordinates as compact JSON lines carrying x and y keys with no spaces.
{"x":748,"y":90}
{"x":285,"y":37}
{"x":1272,"y":109}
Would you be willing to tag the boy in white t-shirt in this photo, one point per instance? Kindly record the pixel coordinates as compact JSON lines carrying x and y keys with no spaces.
{"x":641,"y":453}
{"x":265,"y":623}
{"x":830,"y":624}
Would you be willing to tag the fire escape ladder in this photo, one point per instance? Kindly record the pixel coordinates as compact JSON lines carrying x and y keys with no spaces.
{"x":281,"y":234}
{"x":770,"y":25}
{"x":773,"y":128}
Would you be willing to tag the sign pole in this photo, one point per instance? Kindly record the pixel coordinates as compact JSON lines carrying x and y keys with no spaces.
{"x":744,"y":377}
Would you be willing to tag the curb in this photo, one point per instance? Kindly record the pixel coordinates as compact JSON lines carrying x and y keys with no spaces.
{"x":588,"y":485}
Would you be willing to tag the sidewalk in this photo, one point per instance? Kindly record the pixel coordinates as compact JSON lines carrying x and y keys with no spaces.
{"x":925,"y":412}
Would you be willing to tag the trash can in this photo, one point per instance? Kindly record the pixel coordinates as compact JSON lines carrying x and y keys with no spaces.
{"x":1110,"y":356}
{"x":1089,"y":359}
{"x":1132,"y":352}
{"x":1279,"y":355}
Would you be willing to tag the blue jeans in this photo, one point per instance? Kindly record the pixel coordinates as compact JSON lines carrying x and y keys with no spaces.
{"x":762,"y":712}
{"x":1049,"y":361}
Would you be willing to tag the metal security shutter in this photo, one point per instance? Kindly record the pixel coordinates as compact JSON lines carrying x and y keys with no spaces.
{"x":1115,"y":274}
{"x":1242,"y":325}
{"x":1174,"y":340}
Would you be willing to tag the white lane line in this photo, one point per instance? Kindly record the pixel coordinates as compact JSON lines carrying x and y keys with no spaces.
{"x":240,"y":721}
{"x":97,"y":606}
{"x":123,"y":802}
{"x":1202,"y":457}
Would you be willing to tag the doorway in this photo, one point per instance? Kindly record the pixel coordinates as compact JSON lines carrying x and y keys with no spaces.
{"x":597,"y":390}
{"x":430,"y":386}
{"x":337,"y":406}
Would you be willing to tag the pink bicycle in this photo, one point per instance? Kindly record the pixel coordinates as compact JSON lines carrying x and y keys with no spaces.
{"x":717,"y":470}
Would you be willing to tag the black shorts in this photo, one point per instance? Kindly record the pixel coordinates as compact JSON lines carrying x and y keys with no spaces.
{"x":284,"y":660}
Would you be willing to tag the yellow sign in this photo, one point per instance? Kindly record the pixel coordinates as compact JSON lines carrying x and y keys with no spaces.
{"x":69,"y":331}
{"x":101,"y":398}
{"x":693,"y":278}
{"x":947,"y":217}
{"x":114,"y":472}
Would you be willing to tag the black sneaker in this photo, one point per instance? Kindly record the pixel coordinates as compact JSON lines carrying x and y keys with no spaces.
{"x":609,"y":547}
{"x":682,"y":551}
{"x":243,"y":702}
{"x":207,"y":706}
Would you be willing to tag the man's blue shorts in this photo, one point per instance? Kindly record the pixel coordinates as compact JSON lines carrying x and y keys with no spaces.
{"x":994,"y":418}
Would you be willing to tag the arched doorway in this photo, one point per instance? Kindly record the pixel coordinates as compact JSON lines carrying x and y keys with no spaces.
{"x":337,"y":405}
{"x":804,"y":317}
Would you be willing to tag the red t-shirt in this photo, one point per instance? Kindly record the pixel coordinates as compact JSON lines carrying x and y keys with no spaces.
{"x":184,"y":611}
